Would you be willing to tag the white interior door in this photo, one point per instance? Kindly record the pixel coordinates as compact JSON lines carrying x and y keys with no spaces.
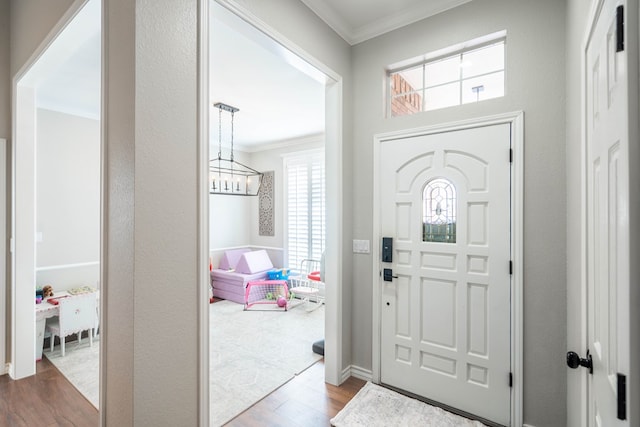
{"x":607,"y":217}
{"x":445,"y":317}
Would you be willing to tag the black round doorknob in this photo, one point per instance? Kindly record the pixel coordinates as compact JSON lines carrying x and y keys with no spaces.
{"x":573,"y":360}
{"x":388,"y":303}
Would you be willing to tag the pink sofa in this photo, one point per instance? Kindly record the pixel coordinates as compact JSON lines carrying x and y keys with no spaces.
{"x":237,"y":268}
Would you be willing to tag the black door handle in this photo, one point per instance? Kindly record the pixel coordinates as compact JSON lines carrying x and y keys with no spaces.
{"x":387,"y":275}
{"x":573,"y":361}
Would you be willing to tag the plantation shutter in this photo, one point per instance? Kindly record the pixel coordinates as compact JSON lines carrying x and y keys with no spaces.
{"x":305,"y":176}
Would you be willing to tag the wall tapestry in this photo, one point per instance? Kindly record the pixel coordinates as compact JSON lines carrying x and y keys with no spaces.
{"x":265,"y":206}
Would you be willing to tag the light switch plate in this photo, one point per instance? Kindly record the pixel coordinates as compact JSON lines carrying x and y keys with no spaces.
{"x":361,"y":246}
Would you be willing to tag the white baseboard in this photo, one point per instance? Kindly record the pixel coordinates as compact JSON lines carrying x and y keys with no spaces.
{"x":8,"y":369}
{"x":357,"y":372}
{"x":345,"y":374}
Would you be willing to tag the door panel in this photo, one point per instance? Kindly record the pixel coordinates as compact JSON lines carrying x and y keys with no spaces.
{"x":607,"y":216}
{"x":445,"y":331}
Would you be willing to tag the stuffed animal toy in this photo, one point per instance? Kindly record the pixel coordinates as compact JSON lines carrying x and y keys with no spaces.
{"x":47,"y":291}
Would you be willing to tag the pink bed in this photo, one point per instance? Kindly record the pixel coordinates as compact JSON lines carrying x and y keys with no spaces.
{"x":237,"y":267}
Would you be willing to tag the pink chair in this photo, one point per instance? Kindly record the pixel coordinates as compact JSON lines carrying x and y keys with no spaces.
{"x":77,"y":314}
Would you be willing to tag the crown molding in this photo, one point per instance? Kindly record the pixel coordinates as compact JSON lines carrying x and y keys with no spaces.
{"x":355,"y":35}
{"x":315,"y":139}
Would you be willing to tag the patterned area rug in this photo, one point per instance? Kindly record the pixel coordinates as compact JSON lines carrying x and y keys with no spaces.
{"x":252,"y":353}
{"x":376,"y":406}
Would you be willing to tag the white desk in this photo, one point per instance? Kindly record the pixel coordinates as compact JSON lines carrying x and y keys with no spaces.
{"x":45,"y":310}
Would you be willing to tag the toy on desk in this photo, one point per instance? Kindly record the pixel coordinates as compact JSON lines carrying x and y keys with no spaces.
{"x":56,"y":301}
{"x":47,"y":291}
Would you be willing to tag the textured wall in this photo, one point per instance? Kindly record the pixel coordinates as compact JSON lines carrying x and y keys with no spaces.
{"x":151,"y":251}
{"x":31,"y":22}
{"x":5,"y":74}
{"x":67,"y":189}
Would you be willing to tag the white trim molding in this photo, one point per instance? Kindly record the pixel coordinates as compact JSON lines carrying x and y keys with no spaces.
{"x":65,"y":266}
{"x":3,"y":255}
{"x":361,"y":373}
{"x":516,"y":120}
{"x":204,"y":254}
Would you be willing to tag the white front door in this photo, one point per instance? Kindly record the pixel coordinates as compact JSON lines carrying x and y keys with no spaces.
{"x":607,"y":186}
{"x":445,"y":317}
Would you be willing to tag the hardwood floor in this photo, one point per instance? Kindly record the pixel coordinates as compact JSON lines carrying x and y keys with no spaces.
{"x":47,"y":399}
{"x":305,"y":401}
{"x":43,"y":400}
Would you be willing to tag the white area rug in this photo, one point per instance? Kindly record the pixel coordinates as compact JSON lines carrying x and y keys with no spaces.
{"x":81,"y":366}
{"x":252,"y":353}
{"x":376,"y":406}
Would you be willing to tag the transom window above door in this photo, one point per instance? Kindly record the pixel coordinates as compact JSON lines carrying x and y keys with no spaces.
{"x":472,"y":72}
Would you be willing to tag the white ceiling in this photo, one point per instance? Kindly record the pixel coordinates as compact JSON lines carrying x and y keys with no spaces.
{"x":360,"y":20}
{"x":280,"y":96}
{"x":277,"y":98}
{"x":67,"y":75}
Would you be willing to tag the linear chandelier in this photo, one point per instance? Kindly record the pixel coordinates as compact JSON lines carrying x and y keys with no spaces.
{"x":228,"y":176}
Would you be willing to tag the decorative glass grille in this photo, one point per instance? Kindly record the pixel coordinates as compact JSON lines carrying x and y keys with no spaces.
{"x":439,"y":211}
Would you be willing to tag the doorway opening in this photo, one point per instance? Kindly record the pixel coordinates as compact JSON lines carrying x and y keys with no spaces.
{"x":56,"y":200}
{"x":282,"y":128}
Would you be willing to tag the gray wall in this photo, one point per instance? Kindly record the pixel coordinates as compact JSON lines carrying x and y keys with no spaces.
{"x":154,"y":234}
{"x":5,"y":132}
{"x":229,"y":217}
{"x":67,"y":189}
{"x":68,"y":195}
{"x":31,"y":22}
{"x":5,"y":79}
{"x":577,"y":23}
{"x":535,"y":84}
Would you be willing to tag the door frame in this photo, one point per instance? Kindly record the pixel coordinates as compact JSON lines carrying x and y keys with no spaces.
{"x":23,"y":226}
{"x":516,"y":120}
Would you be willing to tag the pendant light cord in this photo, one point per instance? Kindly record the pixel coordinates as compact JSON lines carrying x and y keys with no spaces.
{"x":219,"y":133}
{"x":232,"y":114}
